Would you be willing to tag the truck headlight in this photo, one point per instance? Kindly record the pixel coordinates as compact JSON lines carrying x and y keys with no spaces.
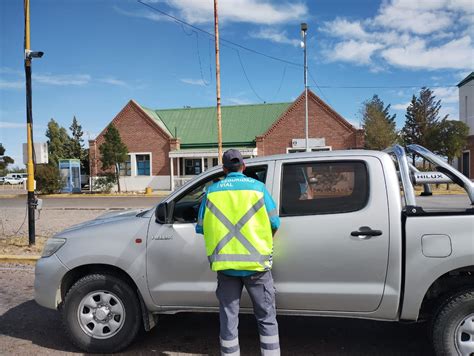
{"x":52,"y":246}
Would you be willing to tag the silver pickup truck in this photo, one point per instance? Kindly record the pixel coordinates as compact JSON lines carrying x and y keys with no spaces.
{"x":354,"y":242}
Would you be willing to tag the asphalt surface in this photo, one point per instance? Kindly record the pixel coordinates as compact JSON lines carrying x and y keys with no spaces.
{"x":28,"y":329}
{"x":86,"y":202}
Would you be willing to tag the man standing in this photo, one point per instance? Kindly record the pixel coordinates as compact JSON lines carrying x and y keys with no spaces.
{"x":238,"y":219}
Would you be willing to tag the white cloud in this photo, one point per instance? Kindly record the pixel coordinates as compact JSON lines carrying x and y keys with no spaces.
{"x":15,"y":84}
{"x":191,"y":81}
{"x":358,"y":52}
{"x":419,"y":17}
{"x":62,"y":79}
{"x":250,"y":11}
{"x":147,"y":14}
{"x":401,"y":106}
{"x":410,"y":34}
{"x":236,"y":101}
{"x":448,"y":95}
{"x":12,"y":125}
{"x":264,"y":12}
{"x":274,"y":35}
{"x":113,"y":81}
{"x":456,"y":54}
{"x":346,"y":29}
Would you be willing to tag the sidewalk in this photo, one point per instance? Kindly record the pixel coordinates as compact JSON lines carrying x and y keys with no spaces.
{"x":10,"y":194}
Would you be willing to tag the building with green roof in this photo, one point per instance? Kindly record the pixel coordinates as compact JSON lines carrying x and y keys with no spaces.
{"x":169,"y":146}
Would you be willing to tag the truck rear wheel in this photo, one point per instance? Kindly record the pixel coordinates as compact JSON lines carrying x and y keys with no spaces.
{"x":101,"y":313}
{"x":453,"y":325}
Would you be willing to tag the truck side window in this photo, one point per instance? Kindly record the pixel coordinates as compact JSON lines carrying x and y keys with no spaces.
{"x":186,"y":207}
{"x":324,"y":188}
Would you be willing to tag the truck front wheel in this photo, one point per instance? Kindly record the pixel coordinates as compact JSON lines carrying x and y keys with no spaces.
{"x":453,"y":325}
{"x":101,"y":313}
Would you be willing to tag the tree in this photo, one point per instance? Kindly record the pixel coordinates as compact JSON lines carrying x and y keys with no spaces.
{"x":421,"y":122}
{"x":379,"y":125}
{"x":59,"y":142}
{"x":452,"y":136}
{"x":113,"y":151}
{"x":77,"y":145}
{"x":4,"y":160}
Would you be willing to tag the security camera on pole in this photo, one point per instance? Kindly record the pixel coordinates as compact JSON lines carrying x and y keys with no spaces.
{"x":304,"y":28}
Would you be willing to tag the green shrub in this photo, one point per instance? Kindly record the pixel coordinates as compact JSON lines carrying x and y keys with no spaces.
{"x":105,"y":183}
{"x":48,"y":180}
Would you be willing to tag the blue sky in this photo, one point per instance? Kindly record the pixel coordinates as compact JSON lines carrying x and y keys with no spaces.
{"x":99,"y":54}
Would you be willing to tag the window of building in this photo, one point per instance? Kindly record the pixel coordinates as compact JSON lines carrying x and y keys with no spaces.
{"x":126,"y":167}
{"x":465,"y":107}
{"x":324,"y":188}
{"x":143,"y":165}
{"x":192,"y":166}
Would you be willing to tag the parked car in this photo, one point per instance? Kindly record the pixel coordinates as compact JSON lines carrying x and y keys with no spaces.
{"x":350,"y":245}
{"x":13,"y":179}
{"x":2,"y":180}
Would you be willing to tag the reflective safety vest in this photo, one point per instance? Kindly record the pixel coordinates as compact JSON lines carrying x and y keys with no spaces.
{"x":237,"y":231}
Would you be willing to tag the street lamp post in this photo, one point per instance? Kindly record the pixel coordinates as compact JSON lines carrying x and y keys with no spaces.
{"x":304,"y":28}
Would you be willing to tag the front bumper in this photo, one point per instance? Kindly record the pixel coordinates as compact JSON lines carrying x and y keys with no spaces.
{"x":49,"y":272}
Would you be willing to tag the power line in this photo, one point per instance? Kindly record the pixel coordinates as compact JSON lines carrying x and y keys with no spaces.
{"x":223,"y":40}
{"x":246,"y":77}
{"x":320,"y":90}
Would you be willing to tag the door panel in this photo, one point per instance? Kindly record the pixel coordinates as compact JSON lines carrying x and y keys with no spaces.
{"x":318,"y":265}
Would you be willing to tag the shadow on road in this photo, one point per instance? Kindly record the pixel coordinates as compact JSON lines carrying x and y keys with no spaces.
{"x":198,"y":334}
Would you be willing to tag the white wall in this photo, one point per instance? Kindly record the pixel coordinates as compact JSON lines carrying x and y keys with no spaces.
{"x":466,"y":109}
{"x":139,"y":183}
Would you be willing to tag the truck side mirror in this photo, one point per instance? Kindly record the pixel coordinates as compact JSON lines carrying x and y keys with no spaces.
{"x":162,"y":214}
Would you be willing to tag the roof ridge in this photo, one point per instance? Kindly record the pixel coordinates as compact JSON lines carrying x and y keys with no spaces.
{"x":223,"y":106}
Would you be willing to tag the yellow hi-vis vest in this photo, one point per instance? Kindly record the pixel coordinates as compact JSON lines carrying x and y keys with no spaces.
{"x":237,"y":231}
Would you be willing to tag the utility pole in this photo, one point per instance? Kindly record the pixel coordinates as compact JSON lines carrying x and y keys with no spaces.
{"x":29,"y":127}
{"x":218,"y":86}
{"x":304,"y":28}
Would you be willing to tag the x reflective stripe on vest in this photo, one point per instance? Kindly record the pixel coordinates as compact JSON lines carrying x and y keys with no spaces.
{"x":234,"y":231}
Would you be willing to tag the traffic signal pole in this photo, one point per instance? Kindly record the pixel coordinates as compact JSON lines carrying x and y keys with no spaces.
{"x":29,"y":130}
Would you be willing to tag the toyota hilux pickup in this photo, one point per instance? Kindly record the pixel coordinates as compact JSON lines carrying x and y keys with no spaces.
{"x":355,"y":242}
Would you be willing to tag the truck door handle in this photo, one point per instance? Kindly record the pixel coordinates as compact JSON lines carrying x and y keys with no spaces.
{"x":366,"y":232}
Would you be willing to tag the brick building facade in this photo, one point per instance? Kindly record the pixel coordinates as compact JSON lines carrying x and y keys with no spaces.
{"x":166,"y":147}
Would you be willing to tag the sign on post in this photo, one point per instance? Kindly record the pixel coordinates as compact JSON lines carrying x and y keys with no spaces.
{"x":40,"y":150}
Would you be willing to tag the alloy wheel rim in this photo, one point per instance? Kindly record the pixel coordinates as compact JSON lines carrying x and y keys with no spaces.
{"x":101,"y":314}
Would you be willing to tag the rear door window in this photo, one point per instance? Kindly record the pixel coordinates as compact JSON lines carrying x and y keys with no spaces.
{"x":324,"y":188}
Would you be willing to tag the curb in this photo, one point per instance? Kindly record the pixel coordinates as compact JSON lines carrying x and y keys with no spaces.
{"x":21,"y":259}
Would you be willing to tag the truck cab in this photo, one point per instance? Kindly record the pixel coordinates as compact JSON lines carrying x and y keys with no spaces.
{"x":354,"y":242}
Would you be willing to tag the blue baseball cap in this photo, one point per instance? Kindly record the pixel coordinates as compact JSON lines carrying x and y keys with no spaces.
{"x":232,"y":158}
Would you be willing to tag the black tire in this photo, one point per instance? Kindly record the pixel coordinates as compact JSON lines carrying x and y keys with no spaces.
{"x":132,"y":317}
{"x":448,"y":318}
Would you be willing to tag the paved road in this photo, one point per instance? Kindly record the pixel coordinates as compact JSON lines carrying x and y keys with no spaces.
{"x":436,"y":201}
{"x":26,"y":328}
{"x":86,"y":202}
